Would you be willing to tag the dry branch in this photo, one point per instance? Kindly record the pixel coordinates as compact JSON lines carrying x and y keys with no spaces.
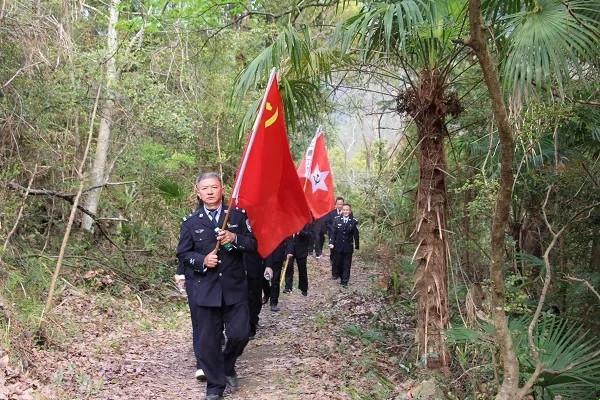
{"x":20,"y":213}
{"x":586,"y":283}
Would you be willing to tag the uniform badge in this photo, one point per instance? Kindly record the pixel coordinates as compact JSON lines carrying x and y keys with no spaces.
{"x":232,"y":225}
{"x":199,"y":230}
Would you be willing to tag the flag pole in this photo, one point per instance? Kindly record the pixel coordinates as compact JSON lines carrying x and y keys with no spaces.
{"x":283,"y":271}
{"x":307,"y":167}
{"x":238,"y":181}
{"x":261,"y":109}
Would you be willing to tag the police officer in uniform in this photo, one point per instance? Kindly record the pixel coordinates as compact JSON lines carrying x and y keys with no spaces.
{"x":216,"y":279}
{"x":343,"y":241}
{"x":329,"y":218}
{"x":297,"y":250}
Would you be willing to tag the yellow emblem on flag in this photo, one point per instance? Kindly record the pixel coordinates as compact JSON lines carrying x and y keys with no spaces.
{"x":273,"y":118}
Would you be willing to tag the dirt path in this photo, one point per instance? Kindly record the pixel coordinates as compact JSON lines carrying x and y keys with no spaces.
{"x":294,"y":355}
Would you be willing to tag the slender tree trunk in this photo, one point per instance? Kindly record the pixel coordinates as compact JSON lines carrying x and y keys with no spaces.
{"x":431,"y":253}
{"x":510,"y":384}
{"x":99,"y":166}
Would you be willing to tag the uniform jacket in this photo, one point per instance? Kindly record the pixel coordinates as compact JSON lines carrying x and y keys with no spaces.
{"x":300,"y":243}
{"x":226,"y":283}
{"x":330,"y":217}
{"x":343,"y":234}
{"x":255,"y":265}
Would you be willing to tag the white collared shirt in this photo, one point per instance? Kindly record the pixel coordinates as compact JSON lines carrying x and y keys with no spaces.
{"x":217,"y":216}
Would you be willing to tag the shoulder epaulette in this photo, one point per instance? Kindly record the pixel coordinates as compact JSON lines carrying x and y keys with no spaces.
{"x":190,"y":215}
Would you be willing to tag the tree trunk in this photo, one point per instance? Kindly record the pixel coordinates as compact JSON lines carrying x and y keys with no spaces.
{"x":509,"y":388}
{"x":431,"y":253}
{"x":99,"y":166}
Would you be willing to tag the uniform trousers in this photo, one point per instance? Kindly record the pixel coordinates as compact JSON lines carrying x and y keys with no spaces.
{"x":219,"y":363}
{"x":318,"y":240}
{"x":255,"y":290}
{"x":342,"y":263}
{"x":275,"y":282}
{"x":302,"y":274}
{"x":195,"y":325}
{"x":335,"y":272}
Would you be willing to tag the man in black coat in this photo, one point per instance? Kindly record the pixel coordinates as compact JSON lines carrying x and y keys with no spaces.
{"x":329,"y":217}
{"x":342,"y":242}
{"x":216,"y":278}
{"x":297,"y":250}
{"x":274,"y":264}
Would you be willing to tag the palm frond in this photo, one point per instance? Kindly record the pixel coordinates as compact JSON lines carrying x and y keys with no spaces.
{"x":549,"y":41}
{"x":417,"y":31}
{"x":570,"y":355}
{"x":302,"y":66}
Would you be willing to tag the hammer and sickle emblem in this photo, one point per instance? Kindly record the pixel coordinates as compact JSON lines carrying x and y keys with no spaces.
{"x":273,"y":117}
{"x":317,"y":178}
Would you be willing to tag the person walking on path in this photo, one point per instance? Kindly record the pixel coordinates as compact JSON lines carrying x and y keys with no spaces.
{"x":219,"y":293}
{"x":343,"y":241}
{"x":274,"y":264}
{"x":297,"y":250}
{"x":329,"y":218}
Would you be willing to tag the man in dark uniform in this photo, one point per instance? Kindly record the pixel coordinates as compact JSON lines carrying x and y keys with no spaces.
{"x":274,"y":264}
{"x":329,"y":217}
{"x":297,"y":250}
{"x":218,"y":292}
{"x":344,"y":232}
{"x":255,"y":270}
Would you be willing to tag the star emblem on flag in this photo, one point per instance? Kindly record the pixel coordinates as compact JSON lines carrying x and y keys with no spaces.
{"x":317,"y":179}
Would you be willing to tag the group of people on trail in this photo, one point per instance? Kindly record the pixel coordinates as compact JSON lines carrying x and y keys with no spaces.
{"x":225,"y":278}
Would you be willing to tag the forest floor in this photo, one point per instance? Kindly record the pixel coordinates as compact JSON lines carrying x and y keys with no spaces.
{"x":125,"y":351}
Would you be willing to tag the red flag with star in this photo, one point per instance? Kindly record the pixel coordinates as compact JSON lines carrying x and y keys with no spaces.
{"x":267,"y":185}
{"x":316,"y":177}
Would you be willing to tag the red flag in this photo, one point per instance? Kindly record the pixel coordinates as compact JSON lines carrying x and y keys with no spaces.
{"x":267,"y":185}
{"x":316,"y":177}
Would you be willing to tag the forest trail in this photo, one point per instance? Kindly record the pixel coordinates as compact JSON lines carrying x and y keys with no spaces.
{"x":295,"y":354}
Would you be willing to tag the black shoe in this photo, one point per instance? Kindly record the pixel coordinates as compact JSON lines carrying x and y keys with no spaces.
{"x":304,"y":293}
{"x":286,"y":290}
{"x":213,"y":397}
{"x":335,"y":278}
{"x":233,"y":382}
{"x":274,"y":308}
{"x":345,"y":285}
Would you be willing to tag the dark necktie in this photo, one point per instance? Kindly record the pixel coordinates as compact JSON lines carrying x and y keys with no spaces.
{"x":213,"y":217}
